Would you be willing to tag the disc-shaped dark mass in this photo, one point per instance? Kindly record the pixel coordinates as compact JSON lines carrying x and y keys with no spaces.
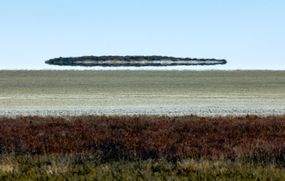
{"x":135,"y":61}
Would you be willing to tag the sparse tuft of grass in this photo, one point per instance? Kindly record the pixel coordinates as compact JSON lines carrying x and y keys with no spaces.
{"x":8,"y":165}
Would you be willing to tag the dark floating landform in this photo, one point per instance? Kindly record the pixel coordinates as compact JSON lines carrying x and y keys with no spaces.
{"x":133,"y":61}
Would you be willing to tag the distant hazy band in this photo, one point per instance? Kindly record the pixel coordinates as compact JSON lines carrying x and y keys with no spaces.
{"x":136,"y":61}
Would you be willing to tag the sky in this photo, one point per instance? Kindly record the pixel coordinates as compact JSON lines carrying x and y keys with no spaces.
{"x":250,"y":34}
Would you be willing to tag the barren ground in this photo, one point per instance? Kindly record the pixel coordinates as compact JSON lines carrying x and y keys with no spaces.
{"x":204,"y":93}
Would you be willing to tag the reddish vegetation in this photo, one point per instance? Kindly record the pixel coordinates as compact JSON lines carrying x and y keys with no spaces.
{"x":142,"y":137}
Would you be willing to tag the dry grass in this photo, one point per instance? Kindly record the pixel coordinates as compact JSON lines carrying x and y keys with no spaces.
{"x":8,"y":165}
{"x":144,"y":137}
{"x":86,"y":167}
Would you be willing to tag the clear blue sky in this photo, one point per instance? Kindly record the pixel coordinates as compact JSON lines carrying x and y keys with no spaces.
{"x":250,"y":34}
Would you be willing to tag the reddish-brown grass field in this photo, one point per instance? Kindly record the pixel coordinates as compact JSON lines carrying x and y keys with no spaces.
{"x":144,"y":137}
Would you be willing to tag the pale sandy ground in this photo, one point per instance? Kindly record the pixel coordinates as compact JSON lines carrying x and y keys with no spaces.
{"x":206,"y":93}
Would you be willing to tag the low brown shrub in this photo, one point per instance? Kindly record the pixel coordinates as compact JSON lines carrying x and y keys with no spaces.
{"x":144,"y":137}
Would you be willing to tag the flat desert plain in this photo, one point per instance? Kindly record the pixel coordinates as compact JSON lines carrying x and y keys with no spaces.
{"x":203,"y":93}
